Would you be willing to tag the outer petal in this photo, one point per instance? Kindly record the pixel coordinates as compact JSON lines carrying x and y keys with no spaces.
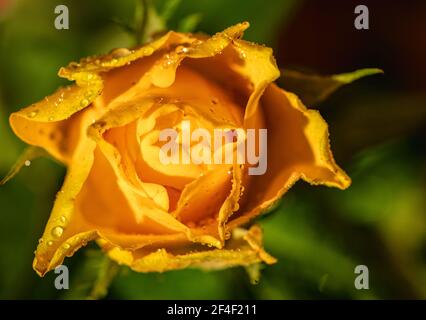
{"x":50,"y":123}
{"x":298,"y":147}
{"x":243,"y":249}
{"x":62,"y":223}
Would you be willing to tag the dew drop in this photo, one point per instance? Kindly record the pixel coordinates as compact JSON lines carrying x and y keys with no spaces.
{"x":168,"y":61}
{"x":50,"y":243}
{"x":50,"y":119}
{"x":66,"y":246}
{"x":120,"y":52}
{"x":243,"y":55}
{"x":32,"y":114}
{"x":148,"y":50}
{"x":84,"y":102}
{"x":40,"y":240}
{"x":159,"y":99}
{"x":182,"y":49}
{"x":57,"y":231}
{"x":89,"y":93}
{"x":63,"y":219}
{"x":27,"y":163}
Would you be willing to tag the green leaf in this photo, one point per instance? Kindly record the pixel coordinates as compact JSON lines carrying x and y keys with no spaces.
{"x":190,"y":22}
{"x":169,"y":9}
{"x":313,"y":89}
{"x":93,"y":276}
{"x":29,"y":154}
{"x":179,"y":284}
{"x":124,"y":25}
{"x":109,"y":269}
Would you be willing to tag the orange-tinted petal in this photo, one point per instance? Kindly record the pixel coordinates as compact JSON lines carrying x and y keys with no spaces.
{"x":245,"y":248}
{"x":53,"y":123}
{"x":298,"y":147}
{"x":62,"y":222}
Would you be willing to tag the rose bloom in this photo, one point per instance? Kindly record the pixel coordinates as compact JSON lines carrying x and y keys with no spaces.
{"x":157,"y":217}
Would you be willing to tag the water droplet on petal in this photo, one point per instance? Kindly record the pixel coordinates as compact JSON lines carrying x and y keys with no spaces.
{"x":148,"y":50}
{"x":66,"y":246}
{"x":57,"y":231}
{"x":32,"y":114}
{"x":84,"y":102}
{"x":27,"y":163}
{"x":182,"y":49}
{"x":63,"y":219}
{"x":243,"y":55}
{"x":50,"y":243}
{"x":120,"y":52}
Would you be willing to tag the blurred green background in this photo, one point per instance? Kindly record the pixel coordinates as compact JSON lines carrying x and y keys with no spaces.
{"x":319,"y":235}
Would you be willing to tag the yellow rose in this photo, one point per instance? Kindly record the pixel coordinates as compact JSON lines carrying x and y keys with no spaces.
{"x":156,"y":217}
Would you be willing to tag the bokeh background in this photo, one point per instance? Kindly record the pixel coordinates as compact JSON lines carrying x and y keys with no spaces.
{"x":319,"y":235}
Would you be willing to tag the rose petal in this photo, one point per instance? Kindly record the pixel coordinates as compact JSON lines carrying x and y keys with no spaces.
{"x":62,"y":222}
{"x":243,"y":250}
{"x":298,"y":147}
{"x":53,"y":123}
